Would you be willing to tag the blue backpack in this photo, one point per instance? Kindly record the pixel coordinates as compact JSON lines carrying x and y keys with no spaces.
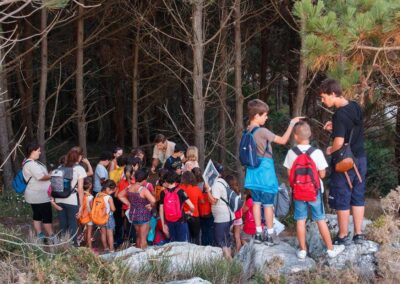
{"x":19,"y":184}
{"x":248,"y":149}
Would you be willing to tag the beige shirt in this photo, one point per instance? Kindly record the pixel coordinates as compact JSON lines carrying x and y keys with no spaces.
{"x":263,"y":137}
{"x":220,"y":210}
{"x":36,"y":190}
{"x":164,"y":155}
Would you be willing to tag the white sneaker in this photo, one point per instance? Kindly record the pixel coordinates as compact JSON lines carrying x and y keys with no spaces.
{"x":301,"y":254}
{"x":337,"y":249}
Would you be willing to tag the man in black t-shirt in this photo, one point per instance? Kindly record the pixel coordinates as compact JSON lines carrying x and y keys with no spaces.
{"x":346,"y":124}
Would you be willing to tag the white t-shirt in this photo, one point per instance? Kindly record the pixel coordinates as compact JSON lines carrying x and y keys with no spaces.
{"x":220,"y":210}
{"x":108,"y":208}
{"x":78,"y":173}
{"x":36,"y":190}
{"x":317,"y":156}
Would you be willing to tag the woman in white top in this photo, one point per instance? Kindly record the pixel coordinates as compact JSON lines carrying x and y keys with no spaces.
{"x":35,"y":173}
{"x":72,"y":205}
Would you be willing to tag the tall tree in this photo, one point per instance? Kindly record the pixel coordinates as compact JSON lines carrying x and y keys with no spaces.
{"x":135,"y":81}
{"x":238,"y":86}
{"x":198,"y":97}
{"x":43,"y":85}
{"x":80,"y":96}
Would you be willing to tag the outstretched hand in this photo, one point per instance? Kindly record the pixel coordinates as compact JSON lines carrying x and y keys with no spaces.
{"x":296,"y":119}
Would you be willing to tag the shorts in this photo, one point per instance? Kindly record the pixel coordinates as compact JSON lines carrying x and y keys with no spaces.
{"x":110,"y":224}
{"x":262,"y":178}
{"x":238,"y":222}
{"x":317,"y":209}
{"x":140,"y":222}
{"x":42,"y":212}
{"x":341,"y":197}
{"x":222,"y":234}
{"x":265,"y":198}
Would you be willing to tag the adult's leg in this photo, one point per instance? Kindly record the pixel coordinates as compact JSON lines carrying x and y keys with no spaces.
{"x":144,"y":230}
{"x":138,"y":236}
{"x":47,"y":218}
{"x":301,"y":234}
{"x":343,"y":221}
{"x":37,"y":226}
{"x":72,"y":210}
{"x":358,"y":217}
{"x":194,"y":230}
{"x":62,"y":218}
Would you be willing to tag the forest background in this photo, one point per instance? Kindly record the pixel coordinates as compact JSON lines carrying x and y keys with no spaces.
{"x":111,"y":73}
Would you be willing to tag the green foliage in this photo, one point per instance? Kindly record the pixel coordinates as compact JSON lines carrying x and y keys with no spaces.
{"x":55,"y":4}
{"x":14,"y":205}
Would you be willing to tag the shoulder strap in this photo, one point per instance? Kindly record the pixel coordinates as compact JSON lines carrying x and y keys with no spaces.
{"x":310,"y":151}
{"x":254,"y":130}
{"x":23,"y":164}
{"x":297,"y":151}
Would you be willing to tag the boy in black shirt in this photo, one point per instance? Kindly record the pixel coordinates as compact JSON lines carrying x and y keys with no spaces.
{"x":174,"y":162}
{"x":347,"y":120}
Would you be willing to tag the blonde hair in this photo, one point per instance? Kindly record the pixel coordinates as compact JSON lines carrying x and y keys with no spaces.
{"x":192,"y":153}
{"x":303,"y":130}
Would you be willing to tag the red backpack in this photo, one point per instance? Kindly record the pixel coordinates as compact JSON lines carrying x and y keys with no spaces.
{"x":172,"y":205}
{"x":304,"y":177}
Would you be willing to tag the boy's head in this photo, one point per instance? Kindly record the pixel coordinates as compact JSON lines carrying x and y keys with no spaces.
{"x":108,"y":186}
{"x":257,"y":111}
{"x":179,"y":150}
{"x":170,"y":178}
{"x":105,"y":158}
{"x":302,"y":131}
{"x":329,"y":90}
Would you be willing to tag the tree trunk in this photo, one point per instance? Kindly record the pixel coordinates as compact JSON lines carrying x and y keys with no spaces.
{"x":223,"y":84}
{"x":80,"y":101}
{"x":301,"y":82}
{"x":43,"y":87}
{"x":4,"y":137}
{"x":135,"y":126}
{"x":198,"y":98}
{"x":119,"y":113}
{"x":397,"y":147}
{"x":238,"y":88}
{"x":264,"y":64}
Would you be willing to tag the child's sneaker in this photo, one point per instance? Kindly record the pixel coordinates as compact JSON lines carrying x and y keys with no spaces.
{"x":301,"y":254}
{"x":272,"y":239}
{"x":342,"y":241}
{"x":359,"y":239}
{"x":337,"y":249}
{"x":258,"y":238}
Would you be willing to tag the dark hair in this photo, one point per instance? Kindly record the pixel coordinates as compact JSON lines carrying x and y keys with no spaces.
{"x":108,"y":184}
{"x":87,"y":182}
{"x":121,"y":160}
{"x":255,"y":107}
{"x":230,"y":179}
{"x":198,"y":174}
{"x":30,"y":147}
{"x":188,"y":178}
{"x":161,"y":175}
{"x":116,"y":149}
{"x":106,"y":156}
{"x":128,"y":170}
{"x":330,"y":86}
{"x":72,"y":156}
{"x":159,"y":138}
{"x":141,"y":175}
{"x":179,"y":148}
{"x":134,"y":161}
{"x":219,"y":167}
{"x":135,"y":152}
{"x":171,"y":177}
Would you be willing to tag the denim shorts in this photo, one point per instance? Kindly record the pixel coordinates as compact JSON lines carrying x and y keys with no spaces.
{"x":265,"y":198}
{"x":140,"y":222}
{"x":111,"y":223}
{"x":317,"y":209}
{"x":341,"y":197}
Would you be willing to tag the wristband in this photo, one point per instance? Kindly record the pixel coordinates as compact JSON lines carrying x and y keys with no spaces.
{"x":292,"y":124}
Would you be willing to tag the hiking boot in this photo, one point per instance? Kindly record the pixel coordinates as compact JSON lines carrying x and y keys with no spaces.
{"x":359,"y":239}
{"x":337,"y":249}
{"x":342,"y":241}
{"x":301,"y":254}
{"x":272,"y":239}
{"x":41,"y":238}
{"x":258,"y":238}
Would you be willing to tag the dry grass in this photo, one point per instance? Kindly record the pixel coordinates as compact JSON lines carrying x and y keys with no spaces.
{"x":391,"y":203}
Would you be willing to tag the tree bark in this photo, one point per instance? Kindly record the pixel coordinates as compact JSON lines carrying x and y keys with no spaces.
{"x":397,"y":147}
{"x":223,"y":84}
{"x":27,"y":92}
{"x":301,"y":82}
{"x":264,"y":64}
{"x":135,"y":125}
{"x":43,"y":87}
{"x":4,"y":137}
{"x":80,"y":100}
{"x":198,"y":98}
{"x":238,"y":88}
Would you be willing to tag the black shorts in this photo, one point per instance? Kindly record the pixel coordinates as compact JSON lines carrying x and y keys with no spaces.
{"x":222,"y":234}
{"x":42,"y":212}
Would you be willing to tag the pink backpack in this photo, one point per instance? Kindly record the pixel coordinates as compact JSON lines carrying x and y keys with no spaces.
{"x":172,"y":206}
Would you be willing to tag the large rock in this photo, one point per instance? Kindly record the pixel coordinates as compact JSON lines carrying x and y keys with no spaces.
{"x":177,"y":256}
{"x":361,"y":257}
{"x":195,"y":280}
{"x":316,"y":247}
{"x":280,"y":259}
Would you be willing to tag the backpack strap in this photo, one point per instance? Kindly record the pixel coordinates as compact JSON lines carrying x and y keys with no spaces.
{"x":310,"y":151}
{"x":23,"y":164}
{"x":266,"y":146}
{"x":297,"y":151}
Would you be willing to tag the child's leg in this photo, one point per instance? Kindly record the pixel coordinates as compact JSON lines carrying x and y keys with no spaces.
{"x":89,"y":230}
{"x":103,"y":232}
{"x":269,"y":216}
{"x":110,"y":239}
{"x":301,"y":234}
{"x":257,"y":214}
{"x":325,"y":234}
{"x":236,"y":234}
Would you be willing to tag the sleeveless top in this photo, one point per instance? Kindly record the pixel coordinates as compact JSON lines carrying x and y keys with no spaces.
{"x":138,"y":211}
